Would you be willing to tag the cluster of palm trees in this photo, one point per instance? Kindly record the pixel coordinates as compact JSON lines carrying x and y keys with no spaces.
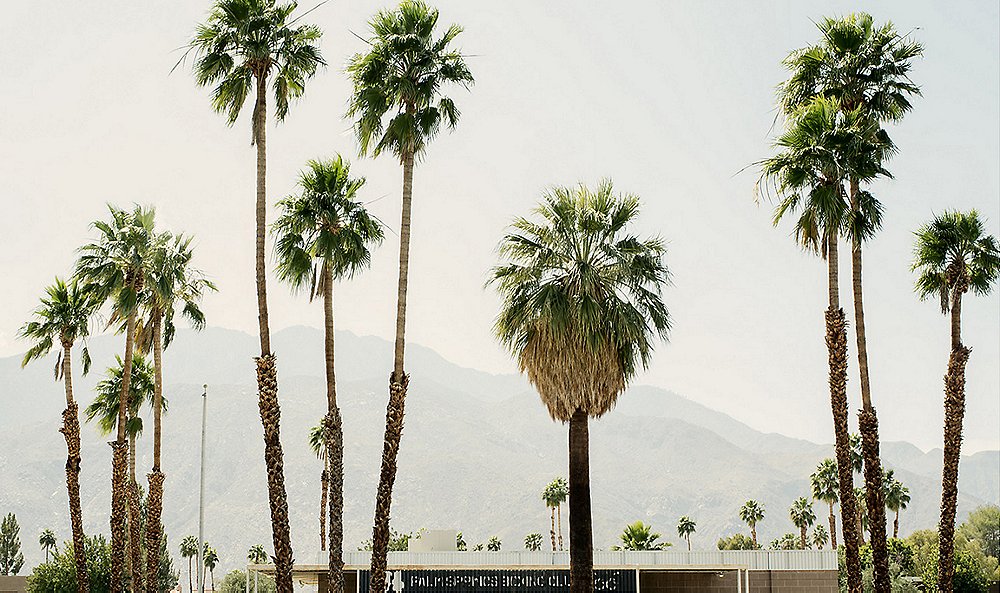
{"x":253,"y":48}
{"x":554,"y":494}
{"x":210,"y":558}
{"x":839,"y":95}
{"x":140,"y":279}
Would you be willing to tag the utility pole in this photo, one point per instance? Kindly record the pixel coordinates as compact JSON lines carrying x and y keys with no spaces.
{"x":201,"y":496}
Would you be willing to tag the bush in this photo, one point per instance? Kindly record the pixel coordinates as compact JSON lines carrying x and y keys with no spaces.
{"x":235,"y":582}
{"x":736,"y":541}
{"x":58,"y":575}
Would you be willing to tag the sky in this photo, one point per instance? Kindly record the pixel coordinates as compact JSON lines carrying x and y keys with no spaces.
{"x":672,"y":101}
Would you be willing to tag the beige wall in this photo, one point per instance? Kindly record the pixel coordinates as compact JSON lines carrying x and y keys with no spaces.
{"x":13,"y":584}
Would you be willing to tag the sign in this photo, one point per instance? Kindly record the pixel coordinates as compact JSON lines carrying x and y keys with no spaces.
{"x":495,"y":581}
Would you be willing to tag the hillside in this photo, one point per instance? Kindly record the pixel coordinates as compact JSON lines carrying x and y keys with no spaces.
{"x":477,"y":449}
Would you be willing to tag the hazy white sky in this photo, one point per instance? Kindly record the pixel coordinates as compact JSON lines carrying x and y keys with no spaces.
{"x":670,"y":100}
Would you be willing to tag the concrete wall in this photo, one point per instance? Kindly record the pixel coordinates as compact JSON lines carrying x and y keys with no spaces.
{"x":761,"y":581}
{"x":13,"y":584}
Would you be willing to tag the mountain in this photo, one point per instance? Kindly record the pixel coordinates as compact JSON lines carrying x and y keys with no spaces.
{"x":477,"y":450}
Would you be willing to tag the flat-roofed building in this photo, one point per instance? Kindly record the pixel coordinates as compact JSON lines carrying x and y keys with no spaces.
{"x":713,"y":571}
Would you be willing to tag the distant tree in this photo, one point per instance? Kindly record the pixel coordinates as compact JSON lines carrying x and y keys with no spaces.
{"x":551,"y":502}
{"x":59,"y":574}
{"x":736,"y":541}
{"x":398,"y":542}
{"x":803,"y":517}
{"x":47,"y":541}
{"x":789,"y":541}
{"x":189,"y":550}
{"x":752,"y":513}
{"x":857,"y":458}
{"x":532,"y":542}
{"x":478,"y":547}
{"x":983,"y":525}
{"x":685,"y":527}
{"x":897,"y":496}
{"x":825,"y":488}
{"x":859,"y":494}
{"x":820,"y":537}
{"x":256,"y":554}
{"x":639,"y":536}
{"x":494,"y":544}
{"x":235,"y":582}
{"x":560,"y":492}
{"x":211,"y":559}
{"x":460,"y":544}
{"x":166,"y":576}
{"x":11,"y":559}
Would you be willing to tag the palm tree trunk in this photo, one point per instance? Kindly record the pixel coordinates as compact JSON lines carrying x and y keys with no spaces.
{"x":398,"y":382}
{"x":324,"y":480}
{"x":688,"y":538}
{"x":267,"y":373}
{"x":954,"y":414}
{"x":559,"y":523}
{"x":334,"y":445}
{"x":154,"y":498}
{"x":134,"y":524}
{"x":802,"y":537}
{"x":119,"y":460}
{"x":581,"y":528}
{"x":868,"y":424}
{"x":833,"y":528}
{"x":753,"y":535}
{"x":552,"y":526}
{"x":836,"y":343}
{"x":190,"y":582}
{"x":895,"y":526}
{"x":71,"y":431}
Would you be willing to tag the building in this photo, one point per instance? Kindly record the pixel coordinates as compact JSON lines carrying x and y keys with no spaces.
{"x":713,"y":571}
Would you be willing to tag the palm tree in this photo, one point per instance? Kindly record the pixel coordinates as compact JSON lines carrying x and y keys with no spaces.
{"x":685,"y":527}
{"x":47,"y":541}
{"x":803,"y":517}
{"x":551,"y":501}
{"x":244,"y":46}
{"x":317,"y":443}
{"x":820,"y":537}
{"x":533,"y":542}
{"x":398,"y":106}
{"x":639,"y":536}
{"x":825,"y":489}
{"x":581,"y":308}
{"x":211,"y":560}
{"x":866,"y":67}
{"x":857,"y":458}
{"x":494,"y":544}
{"x":104,"y":409}
{"x":189,"y":550}
{"x":954,"y":254}
{"x":897,"y":496}
{"x":174,"y":287}
{"x":116,"y":268}
{"x":256,"y":555}
{"x":822,"y":147}
{"x":752,"y":513}
{"x":560,"y":492}
{"x":324,"y":235}
{"x":64,"y":315}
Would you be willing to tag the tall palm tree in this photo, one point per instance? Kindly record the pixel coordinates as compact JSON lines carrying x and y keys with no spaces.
{"x":954,"y":254}
{"x":175,"y":288}
{"x":47,"y":541}
{"x":325,"y":234}
{"x":116,"y":267}
{"x":897,"y":496}
{"x":820,"y":537}
{"x":317,"y":443}
{"x":581,"y":309}
{"x":821,"y":148}
{"x":551,"y":501}
{"x":685,"y":527}
{"x":211,"y":559}
{"x":866,"y":67}
{"x":752,"y":512}
{"x":803,"y":517}
{"x":64,"y":315}
{"x":104,"y":409}
{"x":244,"y":46}
{"x":825,"y":489}
{"x":560,"y":492}
{"x":398,"y":106}
{"x":639,"y":536}
{"x":189,"y":550}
